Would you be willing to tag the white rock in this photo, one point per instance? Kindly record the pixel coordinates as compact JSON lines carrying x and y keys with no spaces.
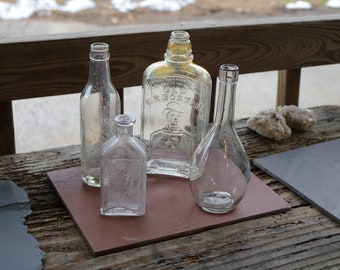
{"x":298,"y":118}
{"x":270,"y":124}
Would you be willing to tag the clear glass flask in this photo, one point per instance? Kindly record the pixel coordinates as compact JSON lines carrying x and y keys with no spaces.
{"x":219,"y":169}
{"x":99,"y":103}
{"x":123,"y":180}
{"x":175,"y":108}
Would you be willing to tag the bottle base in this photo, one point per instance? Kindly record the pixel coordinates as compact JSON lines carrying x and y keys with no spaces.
{"x":168,"y":167}
{"x":91,"y":181}
{"x":122,"y":211}
{"x":217,"y":202}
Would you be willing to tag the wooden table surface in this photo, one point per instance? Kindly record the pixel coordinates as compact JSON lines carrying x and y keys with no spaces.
{"x":302,"y":238}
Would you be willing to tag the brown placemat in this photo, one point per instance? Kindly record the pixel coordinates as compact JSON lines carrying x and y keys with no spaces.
{"x":170,"y":211}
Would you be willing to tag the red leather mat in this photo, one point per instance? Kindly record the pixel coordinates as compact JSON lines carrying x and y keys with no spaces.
{"x":170,"y":211}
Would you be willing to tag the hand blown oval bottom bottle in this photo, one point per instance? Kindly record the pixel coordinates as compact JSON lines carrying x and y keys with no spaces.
{"x":219,"y":169}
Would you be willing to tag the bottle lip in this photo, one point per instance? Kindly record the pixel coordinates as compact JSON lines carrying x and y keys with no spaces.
{"x":125,"y":120}
{"x":228,"y":73}
{"x":180,"y":36}
{"x":99,"y":47}
{"x":99,"y":51}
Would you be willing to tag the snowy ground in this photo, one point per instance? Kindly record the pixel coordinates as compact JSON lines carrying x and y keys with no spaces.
{"x":23,"y":9}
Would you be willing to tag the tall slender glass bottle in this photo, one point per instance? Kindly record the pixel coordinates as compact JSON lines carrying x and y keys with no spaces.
{"x":123,"y":181}
{"x":99,"y":103}
{"x":175,"y":108}
{"x":219,"y":169}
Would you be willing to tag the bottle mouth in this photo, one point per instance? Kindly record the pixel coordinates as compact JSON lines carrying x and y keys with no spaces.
{"x":99,"y":47}
{"x":125,"y":120}
{"x":179,"y":36}
{"x":99,"y":51}
{"x":228,"y":73}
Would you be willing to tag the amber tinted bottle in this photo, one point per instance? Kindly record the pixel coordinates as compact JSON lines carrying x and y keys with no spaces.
{"x":175,"y":108}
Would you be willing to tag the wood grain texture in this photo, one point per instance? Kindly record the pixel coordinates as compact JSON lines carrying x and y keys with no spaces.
{"x":302,"y":238}
{"x":59,"y":64}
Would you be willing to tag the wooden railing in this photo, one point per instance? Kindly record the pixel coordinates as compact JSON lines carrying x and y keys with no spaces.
{"x":56,"y":65}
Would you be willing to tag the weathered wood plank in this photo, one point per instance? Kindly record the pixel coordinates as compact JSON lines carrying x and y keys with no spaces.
{"x":55,"y":65}
{"x":302,"y":238}
{"x":59,"y":64}
{"x":295,"y":239}
{"x":327,"y":128}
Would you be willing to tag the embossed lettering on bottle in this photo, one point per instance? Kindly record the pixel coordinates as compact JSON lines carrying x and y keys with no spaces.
{"x":175,"y":108}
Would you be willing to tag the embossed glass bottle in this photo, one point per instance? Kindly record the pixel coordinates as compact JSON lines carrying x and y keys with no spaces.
{"x":219,"y":169}
{"x":99,"y":103}
{"x":123,"y":180}
{"x":175,"y":108}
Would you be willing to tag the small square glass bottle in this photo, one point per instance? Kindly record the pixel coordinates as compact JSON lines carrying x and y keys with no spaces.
{"x":123,"y":179}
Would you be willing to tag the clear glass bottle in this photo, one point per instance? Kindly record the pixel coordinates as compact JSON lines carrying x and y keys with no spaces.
{"x":219,"y":169}
{"x":123,"y":181}
{"x":99,"y":103}
{"x":175,"y":108}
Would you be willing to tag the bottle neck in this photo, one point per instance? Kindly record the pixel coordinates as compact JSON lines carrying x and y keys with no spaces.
{"x":99,"y":69}
{"x":179,"y":48}
{"x":124,"y":131}
{"x":124,"y":124}
{"x":225,"y":106}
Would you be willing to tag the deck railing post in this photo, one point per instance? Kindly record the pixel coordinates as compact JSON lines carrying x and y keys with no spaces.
{"x":7,"y":141}
{"x":288,"y":87}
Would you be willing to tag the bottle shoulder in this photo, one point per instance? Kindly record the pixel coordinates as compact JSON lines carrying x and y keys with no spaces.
{"x":202,"y":71}
{"x":165,"y":69}
{"x":127,"y":147}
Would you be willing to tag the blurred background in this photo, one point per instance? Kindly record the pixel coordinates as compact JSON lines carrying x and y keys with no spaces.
{"x":50,"y":122}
